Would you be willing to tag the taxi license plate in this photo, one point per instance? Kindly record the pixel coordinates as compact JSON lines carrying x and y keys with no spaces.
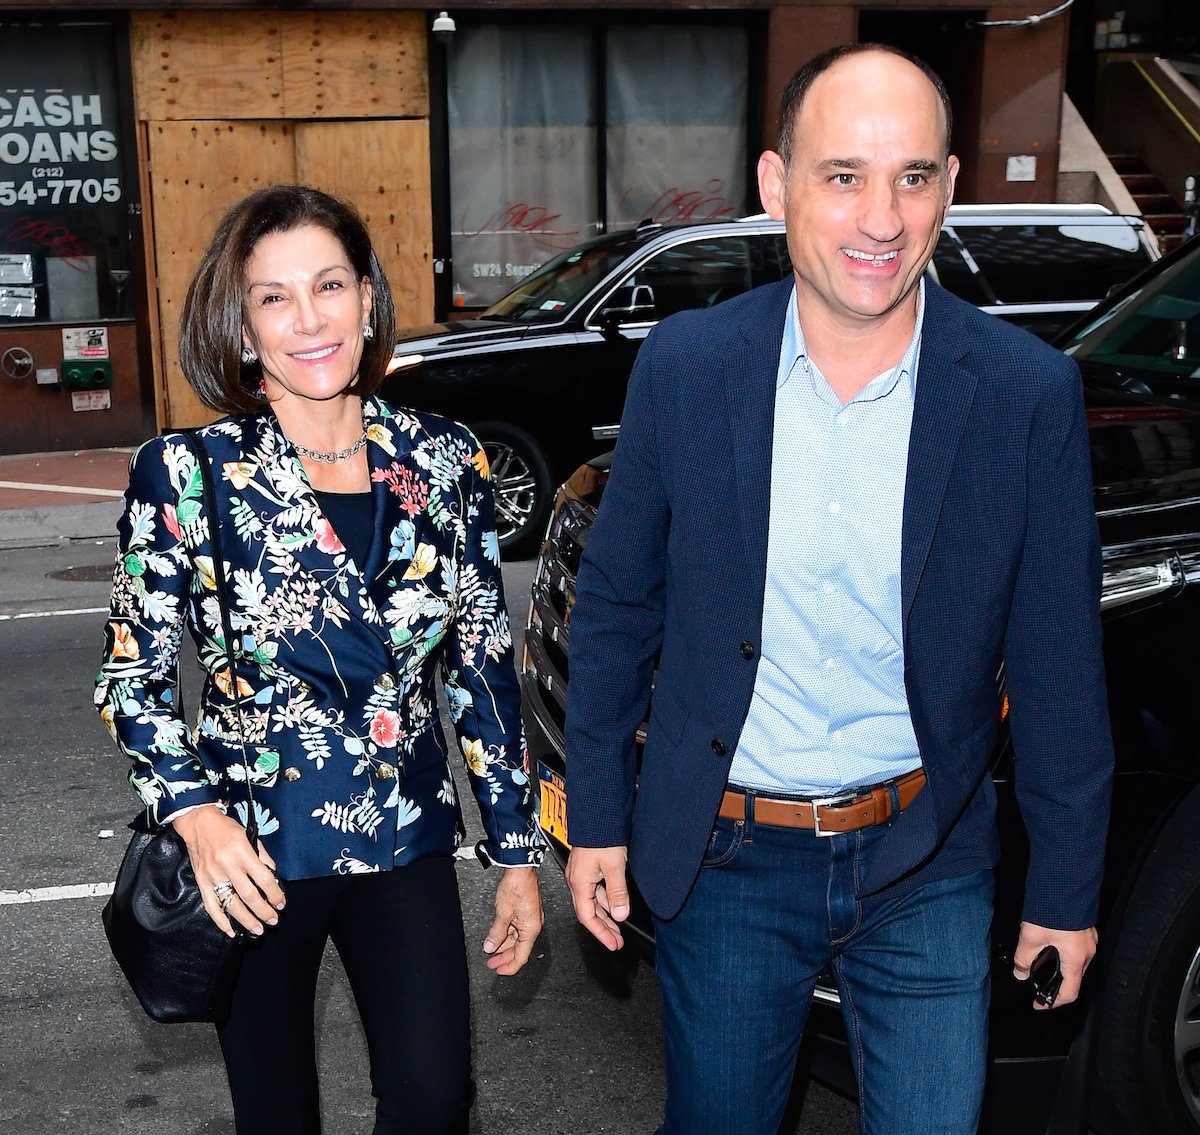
{"x":553,"y":815}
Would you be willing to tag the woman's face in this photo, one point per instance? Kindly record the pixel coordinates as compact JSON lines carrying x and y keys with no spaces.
{"x":304,"y":313}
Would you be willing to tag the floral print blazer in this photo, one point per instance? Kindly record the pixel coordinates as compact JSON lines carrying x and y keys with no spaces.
{"x":336,"y":660}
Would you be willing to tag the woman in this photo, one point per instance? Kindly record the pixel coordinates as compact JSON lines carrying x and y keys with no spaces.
{"x":361,"y":558}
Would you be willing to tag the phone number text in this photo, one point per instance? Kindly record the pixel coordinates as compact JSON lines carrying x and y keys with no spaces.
{"x":60,"y":191}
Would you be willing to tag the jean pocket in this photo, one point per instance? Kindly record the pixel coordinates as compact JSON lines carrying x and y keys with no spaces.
{"x":724,"y":843}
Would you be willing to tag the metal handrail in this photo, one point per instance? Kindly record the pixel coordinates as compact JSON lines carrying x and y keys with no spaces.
{"x":1170,"y":105}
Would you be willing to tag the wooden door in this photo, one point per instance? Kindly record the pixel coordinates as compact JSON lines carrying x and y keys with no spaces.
{"x":198,"y":170}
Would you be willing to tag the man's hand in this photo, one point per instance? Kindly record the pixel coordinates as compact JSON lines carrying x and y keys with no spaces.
{"x":1076,"y":948}
{"x":596,"y":876}
{"x":518,"y":920}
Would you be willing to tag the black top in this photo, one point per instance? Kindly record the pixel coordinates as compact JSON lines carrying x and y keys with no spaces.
{"x":352,"y":517}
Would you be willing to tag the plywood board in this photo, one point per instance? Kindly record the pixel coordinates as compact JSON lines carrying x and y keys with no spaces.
{"x":198,"y":170}
{"x":382,"y":167}
{"x":354,"y":64}
{"x":207,"y":65}
{"x":274,"y":65}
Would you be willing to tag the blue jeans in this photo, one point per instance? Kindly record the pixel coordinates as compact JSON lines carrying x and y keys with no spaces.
{"x":737,"y":967}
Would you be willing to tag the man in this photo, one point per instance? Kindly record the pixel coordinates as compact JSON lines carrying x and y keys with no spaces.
{"x":837,"y":506}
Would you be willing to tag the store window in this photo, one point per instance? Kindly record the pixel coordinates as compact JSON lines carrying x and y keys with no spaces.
{"x":560,"y":132}
{"x":64,"y":220}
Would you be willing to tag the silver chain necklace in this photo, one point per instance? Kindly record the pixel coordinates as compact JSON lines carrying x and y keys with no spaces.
{"x":337,"y":455}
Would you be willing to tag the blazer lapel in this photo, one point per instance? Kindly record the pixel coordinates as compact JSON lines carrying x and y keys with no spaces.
{"x":750,"y":373}
{"x":945,"y":391}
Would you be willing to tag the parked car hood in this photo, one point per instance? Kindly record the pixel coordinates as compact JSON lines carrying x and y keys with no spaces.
{"x":463,"y":336}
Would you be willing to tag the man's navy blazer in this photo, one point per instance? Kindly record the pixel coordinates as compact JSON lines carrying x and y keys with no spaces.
{"x":1000,"y":564}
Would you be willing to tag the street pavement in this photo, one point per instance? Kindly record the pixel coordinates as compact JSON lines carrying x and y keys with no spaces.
{"x":568,"y":1047}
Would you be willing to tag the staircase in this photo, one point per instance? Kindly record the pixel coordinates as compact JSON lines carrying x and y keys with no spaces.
{"x":1162,"y":212}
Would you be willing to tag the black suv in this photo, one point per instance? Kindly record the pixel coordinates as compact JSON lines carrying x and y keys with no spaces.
{"x":1126,"y":1058}
{"x":541,"y":375}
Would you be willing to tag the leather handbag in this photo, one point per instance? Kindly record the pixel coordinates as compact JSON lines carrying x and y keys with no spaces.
{"x":178,"y":963}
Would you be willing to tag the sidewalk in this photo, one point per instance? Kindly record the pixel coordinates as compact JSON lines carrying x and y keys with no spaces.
{"x":46,"y":498}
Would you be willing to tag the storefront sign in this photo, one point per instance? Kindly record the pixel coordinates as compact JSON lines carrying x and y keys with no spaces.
{"x":58,"y":121}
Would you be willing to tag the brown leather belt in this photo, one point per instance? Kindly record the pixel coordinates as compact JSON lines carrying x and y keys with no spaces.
{"x":831,"y":815}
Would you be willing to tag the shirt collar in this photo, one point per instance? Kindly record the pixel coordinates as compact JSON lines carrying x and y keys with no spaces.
{"x":793,"y":351}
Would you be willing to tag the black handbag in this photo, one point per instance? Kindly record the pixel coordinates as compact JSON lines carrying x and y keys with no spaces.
{"x":178,"y":963}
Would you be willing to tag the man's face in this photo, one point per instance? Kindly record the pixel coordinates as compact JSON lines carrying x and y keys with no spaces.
{"x":866,"y":192}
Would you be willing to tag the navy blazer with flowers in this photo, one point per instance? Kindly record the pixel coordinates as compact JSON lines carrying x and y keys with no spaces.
{"x":336,"y":660}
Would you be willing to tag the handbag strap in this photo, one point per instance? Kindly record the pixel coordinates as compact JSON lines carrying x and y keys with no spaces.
{"x":193,"y":442}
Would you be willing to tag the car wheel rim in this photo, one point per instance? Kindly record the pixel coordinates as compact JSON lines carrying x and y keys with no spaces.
{"x":1187,"y":1040}
{"x":515,"y":487}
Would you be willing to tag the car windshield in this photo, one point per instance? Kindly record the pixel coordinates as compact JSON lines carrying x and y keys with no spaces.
{"x":546,"y":295}
{"x":1154,"y":333}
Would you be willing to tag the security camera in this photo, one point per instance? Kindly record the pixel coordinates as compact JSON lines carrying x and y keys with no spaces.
{"x":444,"y":27}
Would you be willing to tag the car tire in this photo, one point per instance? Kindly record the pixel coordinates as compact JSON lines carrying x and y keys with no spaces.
{"x":1147,"y":1075}
{"x":522,"y":483}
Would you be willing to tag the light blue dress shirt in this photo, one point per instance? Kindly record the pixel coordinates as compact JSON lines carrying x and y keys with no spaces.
{"x":829,"y":709}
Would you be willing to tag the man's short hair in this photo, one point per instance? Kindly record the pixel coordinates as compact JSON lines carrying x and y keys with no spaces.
{"x":797,"y":88}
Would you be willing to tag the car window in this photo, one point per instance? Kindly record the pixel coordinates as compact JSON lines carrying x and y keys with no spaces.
{"x":952,"y":270}
{"x":1152,"y":336}
{"x":700,"y":273}
{"x":1039,"y":263}
{"x":769,"y":258}
{"x":547,"y":294}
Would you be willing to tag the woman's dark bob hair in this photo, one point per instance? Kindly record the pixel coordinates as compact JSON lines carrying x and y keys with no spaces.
{"x":210,"y":337}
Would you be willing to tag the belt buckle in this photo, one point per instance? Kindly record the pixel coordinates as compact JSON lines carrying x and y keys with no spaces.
{"x":827,"y":802}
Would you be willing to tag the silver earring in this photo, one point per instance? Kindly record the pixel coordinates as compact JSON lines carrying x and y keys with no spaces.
{"x":248,"y":356}
{"x":368,"y":332}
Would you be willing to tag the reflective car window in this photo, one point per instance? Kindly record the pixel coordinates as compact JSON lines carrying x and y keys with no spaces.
{"x":548,"y":294}
{"x":1039,"y":263}
{"x":1153,"y":334}
{"x":699,"y":273}
{"x":769,"y":258}
{"x":951,"y":270}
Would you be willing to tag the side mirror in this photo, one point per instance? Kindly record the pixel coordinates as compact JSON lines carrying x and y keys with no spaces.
{"x":630,"y":303}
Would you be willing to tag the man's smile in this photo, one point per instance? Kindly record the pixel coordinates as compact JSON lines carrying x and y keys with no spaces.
{"x":871,"y":257}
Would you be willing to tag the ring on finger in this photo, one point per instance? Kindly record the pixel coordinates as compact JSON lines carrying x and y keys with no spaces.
{"x":226,"y":900}
{"x":222,"y":889}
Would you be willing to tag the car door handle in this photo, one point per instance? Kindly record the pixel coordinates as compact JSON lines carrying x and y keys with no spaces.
{"x":1129,"y":583}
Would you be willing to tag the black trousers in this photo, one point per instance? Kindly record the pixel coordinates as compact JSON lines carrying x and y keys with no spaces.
{"x":400,"y":937}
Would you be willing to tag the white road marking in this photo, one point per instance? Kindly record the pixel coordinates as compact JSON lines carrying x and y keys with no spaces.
{"x":77,"y":490}
{"x":52,"y":614}
{"x":51,"y":894}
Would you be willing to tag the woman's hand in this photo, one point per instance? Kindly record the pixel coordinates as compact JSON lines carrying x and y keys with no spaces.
{"x":518,"y":920}
{"x":221,"y":854}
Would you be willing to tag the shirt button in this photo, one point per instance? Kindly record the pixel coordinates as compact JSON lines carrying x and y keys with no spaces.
{"x":837,"y":736}
{"x":747,"y":649}
{"x":386,"y":681}
{"x":827,"y":588}
{"x":835,"y":506}
{"x":385,"y":771}
{"x":831,"y":663}
{"x":718,"y":746}
{"x":843,"y":418}
{"x":291,"y":774}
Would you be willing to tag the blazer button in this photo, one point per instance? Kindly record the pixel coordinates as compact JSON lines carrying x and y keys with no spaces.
{"x":747,"y":649}
{"x":718,"y":746}
{"x":385,"y":771}
{"x":386,"y":681}
{"x":291,"y":773}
